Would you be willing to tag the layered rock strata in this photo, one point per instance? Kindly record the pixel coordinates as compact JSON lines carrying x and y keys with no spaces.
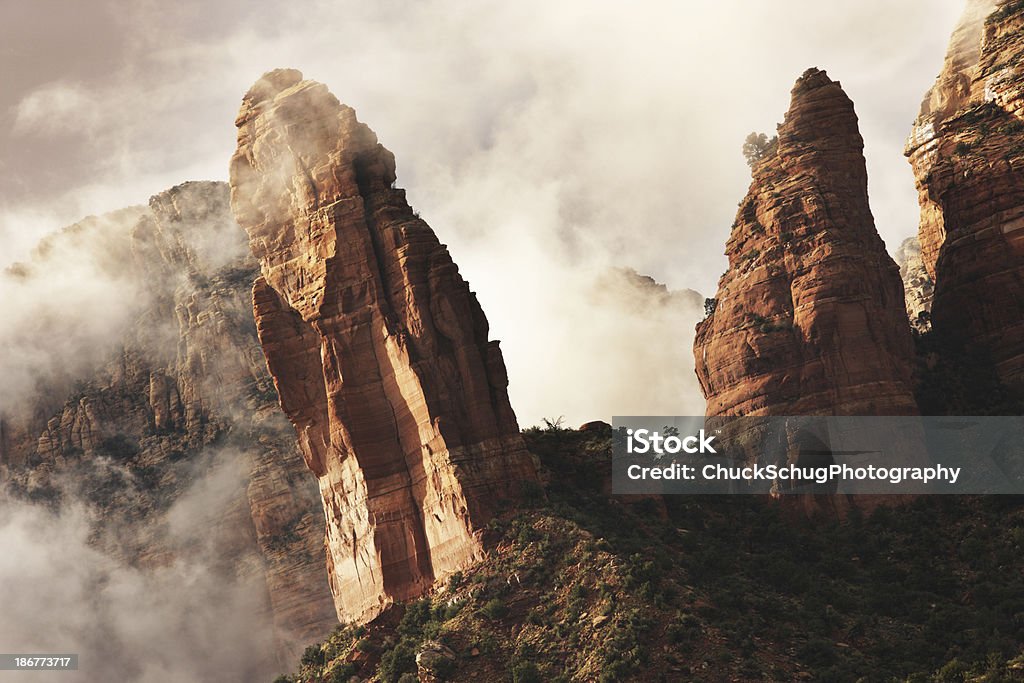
{"x":180,"y":419}
{"x":967,"y":152}
{"x":378,"y":348}
{"x":809,"y":317}
{"x":950,"y":93}
{"x":918,"y":285}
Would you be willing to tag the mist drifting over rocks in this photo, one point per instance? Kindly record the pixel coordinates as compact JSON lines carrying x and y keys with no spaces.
{"x":141,"y":417}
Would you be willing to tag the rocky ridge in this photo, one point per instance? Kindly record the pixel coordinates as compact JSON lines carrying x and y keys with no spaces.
{"x":183,"y":397}
{"x":378,"y":349}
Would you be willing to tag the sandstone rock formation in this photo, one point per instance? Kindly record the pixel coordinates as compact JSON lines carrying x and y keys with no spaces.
{"x":183,"y":398}
{"x":967,"y":151}
{"x":952,"y":90}
{"x":809,"y":318}
{"x":918,"y":285}
{"x":378,"y":348}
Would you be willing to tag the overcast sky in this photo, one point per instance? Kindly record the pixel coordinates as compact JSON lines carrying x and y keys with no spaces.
{"x":542,"y":140}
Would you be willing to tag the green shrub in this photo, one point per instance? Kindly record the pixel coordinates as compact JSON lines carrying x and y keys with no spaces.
{"x":313,"y":656}
{"x":366,"y":645}
{"x":444,"y":669}
{"x":526,"y":672}
{"x":343,"y":672}
{"x":615,"y":672}
{"x":494,"y":609}
{"x":398,"y":660}
{"x":952,"y":672}
{"x":818,"y":652}
{"x":710,"y":305}
{"x":683,"y":627}
{"x":416,"y":615}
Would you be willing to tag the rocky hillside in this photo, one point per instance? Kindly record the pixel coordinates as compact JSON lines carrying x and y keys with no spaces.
{"x":581,"y":586}
{"x":176,"y":397}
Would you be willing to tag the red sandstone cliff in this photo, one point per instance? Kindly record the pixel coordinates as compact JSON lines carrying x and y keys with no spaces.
{"x":810,"y":315}
{"x":967,"y":152}
{"x":378,"y":348}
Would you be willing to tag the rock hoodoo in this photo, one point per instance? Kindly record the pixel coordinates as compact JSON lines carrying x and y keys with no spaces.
{"x":809,"y":317}
{"x":967,"y":152}
{"x":379,"y":349}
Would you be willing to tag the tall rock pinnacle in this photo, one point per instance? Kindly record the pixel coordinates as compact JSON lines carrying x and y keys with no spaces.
{"x":378,"y":348}
{"x":967,"y":151}
{"x":810,"y":314}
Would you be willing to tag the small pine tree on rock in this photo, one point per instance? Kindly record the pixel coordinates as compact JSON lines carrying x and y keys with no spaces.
{"x":757,"y":146}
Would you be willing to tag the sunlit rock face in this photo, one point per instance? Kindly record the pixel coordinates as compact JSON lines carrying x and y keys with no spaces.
{"x":918,"y":284}
{"x":378,"y":348}
{"x":810,"y":315}
{"x":952,"y":91}
{"x":967,"y":152}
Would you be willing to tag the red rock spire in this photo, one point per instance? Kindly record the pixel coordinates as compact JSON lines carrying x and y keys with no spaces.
{"x":810,"y":317}
{"x":379,"y":349}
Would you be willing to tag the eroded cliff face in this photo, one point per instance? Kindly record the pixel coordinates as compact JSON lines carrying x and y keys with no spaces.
{"x":918,"y":285}
{"x":174,"y":440}
{"x":967,"y":152}
{"x":810,"y":315}
{"x":378,"y":348}
{"x":953,"y":89}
